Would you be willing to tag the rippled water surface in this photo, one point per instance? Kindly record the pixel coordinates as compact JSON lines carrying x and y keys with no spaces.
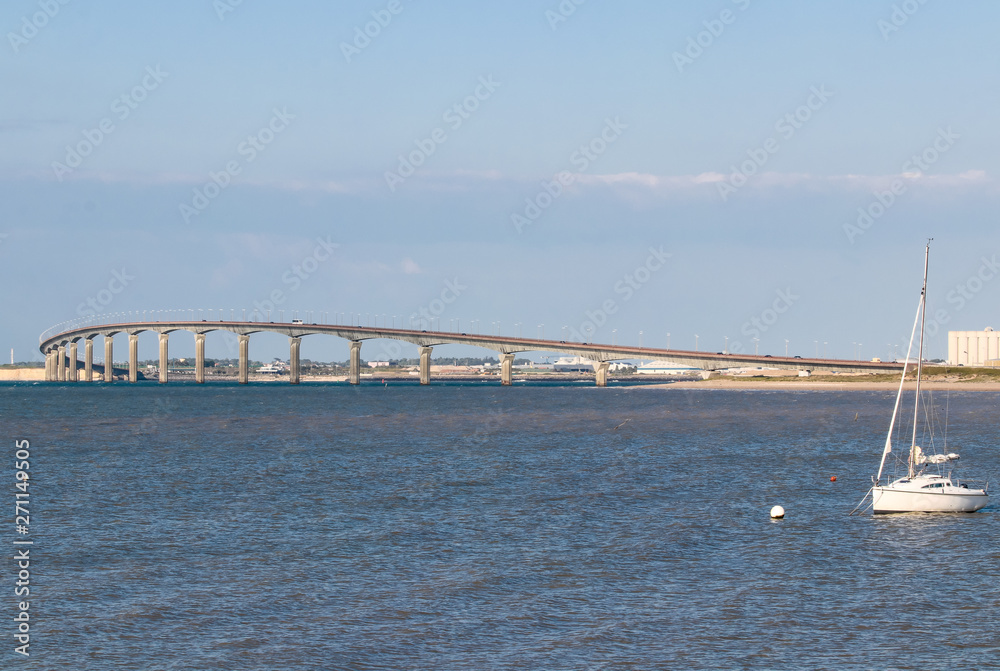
{"x":479,"y":527}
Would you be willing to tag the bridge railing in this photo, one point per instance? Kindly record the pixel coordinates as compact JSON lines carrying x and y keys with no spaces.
{"x":328,"y":318}
{"x":207,"y":314}
{"x":106,"y":318}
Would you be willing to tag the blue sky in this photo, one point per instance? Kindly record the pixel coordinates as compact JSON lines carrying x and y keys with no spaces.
{"x":644,"y":110}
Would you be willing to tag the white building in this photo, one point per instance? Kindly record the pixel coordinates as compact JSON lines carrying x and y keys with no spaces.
{"x":665,"y":368}
{"x":974,"y":348}
{"x":573,"y":364}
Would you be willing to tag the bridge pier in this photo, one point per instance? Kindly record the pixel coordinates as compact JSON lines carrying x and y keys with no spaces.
{"x":354,"y":375}
{"x":199,"y":358}
{"x":73,"y":359}
{"x":425,"y":365}
{"x":506,"y":369}
{"x":133,"y":357}
{"x":88,"y":360}
{"x":48,"y":365}
{"x":293,"y":359}
{"x":109,"y":360}
{"x":164,"y":337}
{"x":244,"y":359}
{"x":601,"y":369}
{"x":61,"y":370}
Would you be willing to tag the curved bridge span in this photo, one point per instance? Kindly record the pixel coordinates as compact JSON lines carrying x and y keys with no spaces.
{"x":60,"y":348}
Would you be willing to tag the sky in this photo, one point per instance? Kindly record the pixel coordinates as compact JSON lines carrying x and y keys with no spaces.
{"x":730,"y":174}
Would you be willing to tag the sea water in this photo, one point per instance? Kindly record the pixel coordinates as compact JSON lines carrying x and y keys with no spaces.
{"x":325,"y":526}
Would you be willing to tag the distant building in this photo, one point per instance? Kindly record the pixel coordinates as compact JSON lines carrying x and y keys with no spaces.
{"x":276,"y":367}
{"x":379,"y":364}
{"x":974,"y":348}
{"x":665,"y":368}
{"x":573,"y":364}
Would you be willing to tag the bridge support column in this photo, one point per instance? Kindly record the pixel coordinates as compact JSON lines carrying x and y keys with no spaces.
{"x":164,"y":337}
{"x":425,"y":365}
{"x":244,"y":359}
{"x":199,"y":358}
{"x":88,"y":360}
{"x":506,"y":369}
{"x":61,"y":363}
{"x":48,"y":366}
{"x":293,"y":359}
{"x":109,"y":359}
{"x":354,"y":376}
{"x":52,"y":359}
{"x":601,"y":369}
{"x":133,"y":357}
{"x":73,"y":360}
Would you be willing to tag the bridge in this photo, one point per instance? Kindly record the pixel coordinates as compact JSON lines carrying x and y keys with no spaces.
{"x":60,"y":347}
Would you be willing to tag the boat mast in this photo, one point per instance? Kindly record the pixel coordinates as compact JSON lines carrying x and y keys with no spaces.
{"x":899,"y":394}
{"x":920,"y":358}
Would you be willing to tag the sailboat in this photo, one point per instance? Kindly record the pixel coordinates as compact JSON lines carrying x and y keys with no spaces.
{"x":924,"y":488}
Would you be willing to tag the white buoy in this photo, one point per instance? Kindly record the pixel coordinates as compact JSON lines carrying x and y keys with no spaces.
{"x":777,"y":512}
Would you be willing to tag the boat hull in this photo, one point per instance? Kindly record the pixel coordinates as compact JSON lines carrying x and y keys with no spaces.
{"x":889,"y":499}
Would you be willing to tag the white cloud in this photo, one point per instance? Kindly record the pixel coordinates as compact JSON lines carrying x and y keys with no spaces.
{"x":410,"y":266}
{"x":629,"y":184}
{"x":674,"y":184}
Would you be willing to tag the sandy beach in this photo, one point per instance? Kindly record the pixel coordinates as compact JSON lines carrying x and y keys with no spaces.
{"x":806,"y":385}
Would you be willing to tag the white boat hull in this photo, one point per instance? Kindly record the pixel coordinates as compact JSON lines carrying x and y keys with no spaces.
{"x":899,"y":498}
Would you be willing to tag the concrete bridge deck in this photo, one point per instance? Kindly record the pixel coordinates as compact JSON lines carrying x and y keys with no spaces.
{"x":61,"y":353}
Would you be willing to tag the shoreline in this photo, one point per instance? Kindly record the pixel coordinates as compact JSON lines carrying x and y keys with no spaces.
{"x":786,"y":385}
{"x":776,"y":383}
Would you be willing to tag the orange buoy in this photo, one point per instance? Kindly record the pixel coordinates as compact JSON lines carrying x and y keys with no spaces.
{"x":833,"y":478}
